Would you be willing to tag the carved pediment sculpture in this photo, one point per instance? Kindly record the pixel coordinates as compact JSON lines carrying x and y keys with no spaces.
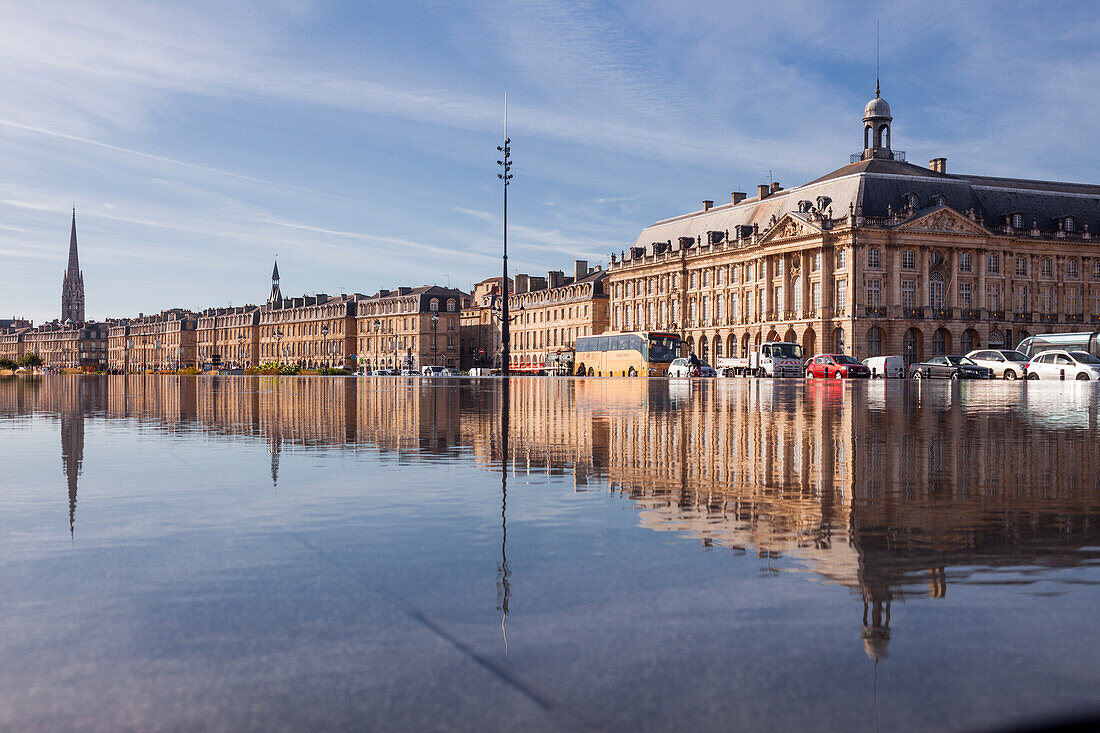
{"x":945,"y":220}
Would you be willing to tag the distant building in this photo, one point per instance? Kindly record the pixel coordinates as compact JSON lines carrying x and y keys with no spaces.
{"x":68,"y":345}
{"x":877,"y":257}
{"x":312,"y":331}
{"x":72,"y":286}
{"x":409,"y":328}
{"x":479,"y":326}
{"x":551,"y":312}
{"x":165,"y":341}
{"x":228,"y":337}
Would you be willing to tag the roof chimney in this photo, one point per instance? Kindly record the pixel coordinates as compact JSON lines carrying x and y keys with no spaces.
{"x":580,"y":270}
{"x":776,"y":187}
{"x":939,"y":165}
{"x":738,"y":197}
{"x":708,"y":205}
{"x":763,"y":190}
{"x":523,"y":282}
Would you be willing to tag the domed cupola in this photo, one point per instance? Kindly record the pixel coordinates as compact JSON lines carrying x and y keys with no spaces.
{"x":876,"y":128}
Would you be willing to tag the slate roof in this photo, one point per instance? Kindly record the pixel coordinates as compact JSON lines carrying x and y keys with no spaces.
{"x":876,"y":186}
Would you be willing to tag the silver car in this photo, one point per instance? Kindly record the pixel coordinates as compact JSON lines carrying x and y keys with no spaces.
{"x":1004,"y":362}
{"x":682,"y":368}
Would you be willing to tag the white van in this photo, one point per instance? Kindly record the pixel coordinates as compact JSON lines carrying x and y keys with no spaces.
{"x":432,"y":371}
{"x":888,"y":367}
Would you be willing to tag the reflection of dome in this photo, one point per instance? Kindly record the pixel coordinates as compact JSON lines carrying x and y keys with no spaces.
{"x":876,"y":642}
{"x":877,"y":107}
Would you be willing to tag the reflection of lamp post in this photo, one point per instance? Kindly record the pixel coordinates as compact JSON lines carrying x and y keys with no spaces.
{"x":435,"y":325}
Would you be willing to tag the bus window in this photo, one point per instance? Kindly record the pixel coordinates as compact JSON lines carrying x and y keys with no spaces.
{"x":601,"y":343}
{"x":663,"y":349}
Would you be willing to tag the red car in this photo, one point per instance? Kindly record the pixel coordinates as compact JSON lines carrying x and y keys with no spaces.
{"x":836,"y":366}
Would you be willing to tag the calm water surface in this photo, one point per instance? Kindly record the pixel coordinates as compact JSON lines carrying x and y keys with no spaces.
{"x":308,"y":553}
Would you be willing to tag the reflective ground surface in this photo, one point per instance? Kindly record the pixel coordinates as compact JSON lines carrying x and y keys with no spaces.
{"x":310,"y":553}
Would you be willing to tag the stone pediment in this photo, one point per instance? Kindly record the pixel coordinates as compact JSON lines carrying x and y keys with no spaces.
{"x":790,"y":226}
{"x":946,"y":220}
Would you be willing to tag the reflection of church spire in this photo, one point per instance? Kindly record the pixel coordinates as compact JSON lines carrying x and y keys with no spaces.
{"x":72,"y":457}
{"x":276,"y":446}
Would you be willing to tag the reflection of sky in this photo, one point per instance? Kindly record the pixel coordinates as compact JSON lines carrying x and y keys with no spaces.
{"x":194,"y":593}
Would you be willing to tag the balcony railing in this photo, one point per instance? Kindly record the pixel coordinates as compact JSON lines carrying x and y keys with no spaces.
{"x":1047,"y":318}
{"x":1075,"y":318}
{"x":1023,"y":317}
{"x":878,"y":311}
{"x":971,"y":314}
{"x":941,"y":314}
{"x":912,"y":312}
{"x":996,"y":315}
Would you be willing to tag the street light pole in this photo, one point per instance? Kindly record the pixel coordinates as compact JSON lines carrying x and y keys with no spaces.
{"x":505,"y":177}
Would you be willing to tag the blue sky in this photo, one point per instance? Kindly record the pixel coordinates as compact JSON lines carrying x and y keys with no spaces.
{"x":356,"y":140}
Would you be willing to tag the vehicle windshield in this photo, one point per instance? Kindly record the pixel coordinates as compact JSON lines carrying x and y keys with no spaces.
{"x":1014,"y":356}
{"x":1084,"y":357}
{"x":663,"y":349}
{"x":844,"y":359}
{"x":783,"y":351}
{"x":960,"y":361}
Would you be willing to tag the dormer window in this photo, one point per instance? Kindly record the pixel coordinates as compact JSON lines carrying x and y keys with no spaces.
{"x":911,"y":200}
{"x":939,"y":200}
{"x":1017,"y":221}
{"x":1068,"y":224}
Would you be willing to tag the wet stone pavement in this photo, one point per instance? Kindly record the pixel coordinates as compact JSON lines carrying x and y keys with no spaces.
{"x":238,"y":553}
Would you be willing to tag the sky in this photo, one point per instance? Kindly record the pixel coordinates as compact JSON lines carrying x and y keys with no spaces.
{"x":356,"y":141}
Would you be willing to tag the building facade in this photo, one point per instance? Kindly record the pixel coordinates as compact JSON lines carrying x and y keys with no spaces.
{"x":166,"y":341}
{"x":69,"y":346}
{"x":410,"y":328}
{"x":312,"y":332}
{"x":12,"y":343}
{"x":551,"y":312}
{"x":479,"y":325}
{"x":228,"y":337}
{"x":877,"y":257}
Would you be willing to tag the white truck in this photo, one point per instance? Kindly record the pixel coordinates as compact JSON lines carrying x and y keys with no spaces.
{"x":770,"y":359}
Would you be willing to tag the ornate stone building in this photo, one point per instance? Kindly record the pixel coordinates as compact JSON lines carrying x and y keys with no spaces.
{"x":312,"y":331}
{"x":165,"y":341}
{"x":479,"y":327}
{"x":409,"y":328}
{"x":879,"y":256}
{"x":228,"y":337}
{"x":68,"y":345}
{"x":551,"y":312}
{"x":72,"y":287}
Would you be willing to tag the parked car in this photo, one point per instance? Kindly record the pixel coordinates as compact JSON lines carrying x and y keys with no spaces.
{"x":410,"y":373}
{"x":886,"y":367}
{"x":451,"y":372}
{"x":432,"y":371}
{"x":836,"y":366}
{"x":682,"y":368}
{"x":384,"y":373}
{"x":1004,"y":362}
{"x":949,"y":367}
{"x":1059,"y":364}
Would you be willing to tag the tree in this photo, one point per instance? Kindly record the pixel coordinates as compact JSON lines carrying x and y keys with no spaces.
{"x":6,"y":363}
{"x":30,"y":360}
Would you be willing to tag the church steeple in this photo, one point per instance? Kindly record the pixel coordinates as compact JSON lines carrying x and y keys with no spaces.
{"x":72,"y":287}
{"x":276,"y":295}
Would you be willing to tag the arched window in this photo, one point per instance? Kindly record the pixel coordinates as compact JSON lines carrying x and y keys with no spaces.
{"x":936,"y":290}
{"x":450,"y":305}
{"x":717,"y":347}
{"x":704,"y":346}
{"x":433,"y":305}
{"x":969,"y":340}
{"x":996,"y":339}
{"x":940,"y":342}
{"x":874,"y":341}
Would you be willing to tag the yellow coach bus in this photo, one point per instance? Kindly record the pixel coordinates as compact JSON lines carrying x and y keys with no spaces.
{"x":640,"y":353}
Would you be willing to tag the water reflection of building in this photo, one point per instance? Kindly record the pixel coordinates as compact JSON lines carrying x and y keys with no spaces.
{"x":893,"y":490}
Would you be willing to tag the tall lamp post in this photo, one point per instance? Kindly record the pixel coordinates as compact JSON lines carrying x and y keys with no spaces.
{"x":278,"y":338}
{"x":435,"y":342}
{"x":505,"y":177}
{"x":324,"y":343}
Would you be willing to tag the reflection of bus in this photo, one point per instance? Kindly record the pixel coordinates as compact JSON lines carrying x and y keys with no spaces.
{"x":626,"y":354}
{"x":1085,"y":341}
